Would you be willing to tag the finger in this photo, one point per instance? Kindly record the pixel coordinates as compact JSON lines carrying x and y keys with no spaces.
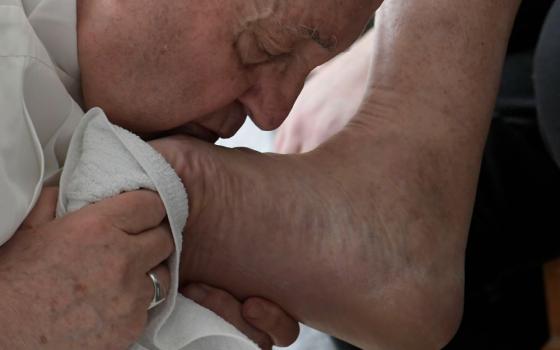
{"x":227,"y":307}
{"x":153,"y":246}
{"x":163,"y":276}
{"x":271,"y":319}
{"x":132,"y":212}
{"x":44,"y":210}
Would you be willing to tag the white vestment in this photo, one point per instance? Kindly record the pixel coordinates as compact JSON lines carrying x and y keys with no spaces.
{"x":39,"y":87}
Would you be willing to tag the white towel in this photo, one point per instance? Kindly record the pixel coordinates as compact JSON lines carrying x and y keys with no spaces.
{"x":105,"y":160}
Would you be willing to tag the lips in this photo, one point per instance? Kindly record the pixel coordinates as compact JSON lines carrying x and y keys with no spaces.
{"x":220,"y":124}
{"x":198,"y":131}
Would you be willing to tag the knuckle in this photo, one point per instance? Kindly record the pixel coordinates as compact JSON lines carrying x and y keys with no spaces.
{"x":145,"y":200}
{"x":160,"y":210}
{"x":152,"y":197}
{"x":156,"y":205}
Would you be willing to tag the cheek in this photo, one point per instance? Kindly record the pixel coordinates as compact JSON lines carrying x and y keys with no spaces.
{"x":202,"y":85}
{"x":215,"y":82}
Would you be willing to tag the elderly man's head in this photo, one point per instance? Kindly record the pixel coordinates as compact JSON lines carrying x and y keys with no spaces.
{"x":160,"y":65}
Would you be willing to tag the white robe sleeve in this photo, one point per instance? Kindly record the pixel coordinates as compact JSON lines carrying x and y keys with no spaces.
{"x":21,"y":157}
{"x":37,"y":117}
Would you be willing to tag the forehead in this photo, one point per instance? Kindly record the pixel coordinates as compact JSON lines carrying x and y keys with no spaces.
{"x":332,"y":24}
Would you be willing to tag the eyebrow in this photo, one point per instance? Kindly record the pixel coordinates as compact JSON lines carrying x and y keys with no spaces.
{"x":312,"y":33}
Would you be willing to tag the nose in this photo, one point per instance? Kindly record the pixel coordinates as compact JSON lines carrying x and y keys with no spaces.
{"x":271,"y":97}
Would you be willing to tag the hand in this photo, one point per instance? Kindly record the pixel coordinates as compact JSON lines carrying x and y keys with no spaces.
{"x":81,"y":282}
{"x":330,"y":98}
{"x":262,"y":321}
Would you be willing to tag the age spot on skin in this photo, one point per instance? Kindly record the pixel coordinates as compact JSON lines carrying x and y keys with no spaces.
{"x":43,"y":340}
{"x":80,"y":288}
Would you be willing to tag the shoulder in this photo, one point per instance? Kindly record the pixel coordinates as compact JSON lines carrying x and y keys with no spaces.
{"x":18,"y":41}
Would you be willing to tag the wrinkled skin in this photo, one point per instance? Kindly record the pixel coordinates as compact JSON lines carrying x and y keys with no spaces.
{"x":81,"y":282}
{"x":365,"y":236}
{"x":200,"y":67}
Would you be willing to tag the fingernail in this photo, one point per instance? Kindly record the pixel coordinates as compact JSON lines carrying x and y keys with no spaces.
{"x":196,"y":292}
{"x":254,"y":310}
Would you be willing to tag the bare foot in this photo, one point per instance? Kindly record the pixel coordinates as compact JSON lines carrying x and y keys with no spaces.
{"x":364,"y":250}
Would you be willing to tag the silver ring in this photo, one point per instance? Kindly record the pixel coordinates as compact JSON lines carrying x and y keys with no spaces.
{"x":159,"y":296}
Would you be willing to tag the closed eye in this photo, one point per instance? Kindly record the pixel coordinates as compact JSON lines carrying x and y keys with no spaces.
{"x":262,"y":46}
{"x":250,"y":51}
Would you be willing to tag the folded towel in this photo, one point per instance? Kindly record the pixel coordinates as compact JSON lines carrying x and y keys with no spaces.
{"x":105,"y":160}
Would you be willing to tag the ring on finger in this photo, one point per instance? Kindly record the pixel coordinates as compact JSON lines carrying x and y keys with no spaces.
{"x":159,"y":293}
